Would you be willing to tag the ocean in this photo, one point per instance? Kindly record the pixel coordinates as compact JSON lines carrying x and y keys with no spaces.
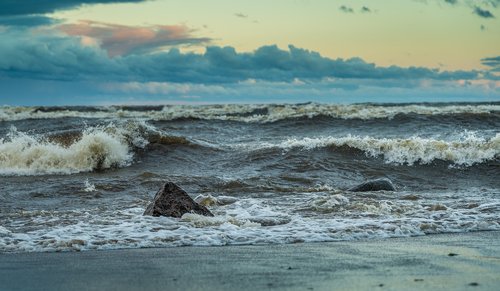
{"x":80,"y":178}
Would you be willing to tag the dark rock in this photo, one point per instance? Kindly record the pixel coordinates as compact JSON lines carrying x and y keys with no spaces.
{"x":382,"y":184}
{"x":452,"y":254}
{"x":472,"y":205}
{"x":410,"y":197}
{"x":172,"y":201}
{"x":437,"y":207}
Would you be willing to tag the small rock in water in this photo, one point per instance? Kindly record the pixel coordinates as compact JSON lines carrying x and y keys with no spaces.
{"x":209,"y":200}
{"x":437,"y":207}
{"x":452,"y":254}
{"x":226,"y":200}
{"x":472,"y":205}
{"x":172,"y":201}
{"x":410,"y":197}
{"x":382,"y":184}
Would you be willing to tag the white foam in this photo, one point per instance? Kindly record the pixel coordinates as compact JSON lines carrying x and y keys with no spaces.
{"x":362,"y":111}
{"x":252,"y":112}
{"x":203,"y":221}
{"x":99,"y":147}
{"x":465,"y":151}
{"x":209,"y":200}
{"x":4,"y":232}
{"x":337,"y":218}
{"x":89,"y":187}
{"x":328,"y":203}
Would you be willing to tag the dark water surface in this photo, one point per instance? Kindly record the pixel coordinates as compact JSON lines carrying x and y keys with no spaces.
{"x":80,"y":177}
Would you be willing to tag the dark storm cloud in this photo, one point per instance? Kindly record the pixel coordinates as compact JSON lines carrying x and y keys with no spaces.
{"x":26,"y":20}
{"x":483,"y":12}
{"x":493,"y":62}
{"x":24,"y":7}
{"x":25,"y":55}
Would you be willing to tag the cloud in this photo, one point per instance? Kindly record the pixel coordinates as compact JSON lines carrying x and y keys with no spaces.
{"x":37,"y":92}
{"x":346,"y":9}
{"x":493,"y":3}
{"x":29,"y":54}
{"x":483,"y":13}
{"x":241,"y":15}
{"x":329,"y":91}
{"x":470,"y":3}
{"x":28,"y":7}
{"x":493,"y":62}
{"x":26,"y":20}
{"x":120,"y":40}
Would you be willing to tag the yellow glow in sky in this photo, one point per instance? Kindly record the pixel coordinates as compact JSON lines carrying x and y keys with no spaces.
{"x":395,"y":32}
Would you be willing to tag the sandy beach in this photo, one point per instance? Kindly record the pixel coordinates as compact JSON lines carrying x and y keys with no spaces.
{"x":465,"y":261}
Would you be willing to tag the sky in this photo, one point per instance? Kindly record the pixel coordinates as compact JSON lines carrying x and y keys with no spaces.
{"x":101,"y":52}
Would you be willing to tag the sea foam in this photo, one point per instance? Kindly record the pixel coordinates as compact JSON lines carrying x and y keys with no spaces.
{"x":249,"y":221}
{"x":247,"y":112}
{"x":466,"y":151}
{"x":98,"y":148}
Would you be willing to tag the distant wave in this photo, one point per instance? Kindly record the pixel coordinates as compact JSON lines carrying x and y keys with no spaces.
{"x":246,"y":113}
{"x":94,"y":148}
{"x":467,"y":151}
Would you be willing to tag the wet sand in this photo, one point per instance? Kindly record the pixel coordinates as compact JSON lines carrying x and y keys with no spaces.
{"x":467,"y":261}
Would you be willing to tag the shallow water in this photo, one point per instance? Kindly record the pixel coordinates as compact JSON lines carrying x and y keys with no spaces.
{"x":77,"y":178}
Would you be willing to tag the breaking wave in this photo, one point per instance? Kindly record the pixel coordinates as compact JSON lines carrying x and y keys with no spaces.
{"x":246,"y":112}
{"x":467,"y":151}
{"x":94,"y":148}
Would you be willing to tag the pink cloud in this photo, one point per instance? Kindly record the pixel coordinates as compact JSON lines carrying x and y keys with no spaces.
{"x":121,"y":40}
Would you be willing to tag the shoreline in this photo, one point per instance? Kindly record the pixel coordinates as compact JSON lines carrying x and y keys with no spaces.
{"x":456,"y":261}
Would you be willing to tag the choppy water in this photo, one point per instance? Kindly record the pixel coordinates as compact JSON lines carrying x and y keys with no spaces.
{"x":76,"y":178}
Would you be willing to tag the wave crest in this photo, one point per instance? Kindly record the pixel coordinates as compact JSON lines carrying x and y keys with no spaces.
{"x":94,"y":148}
{"x":467,"y":151}
{"x":247,"y":112}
